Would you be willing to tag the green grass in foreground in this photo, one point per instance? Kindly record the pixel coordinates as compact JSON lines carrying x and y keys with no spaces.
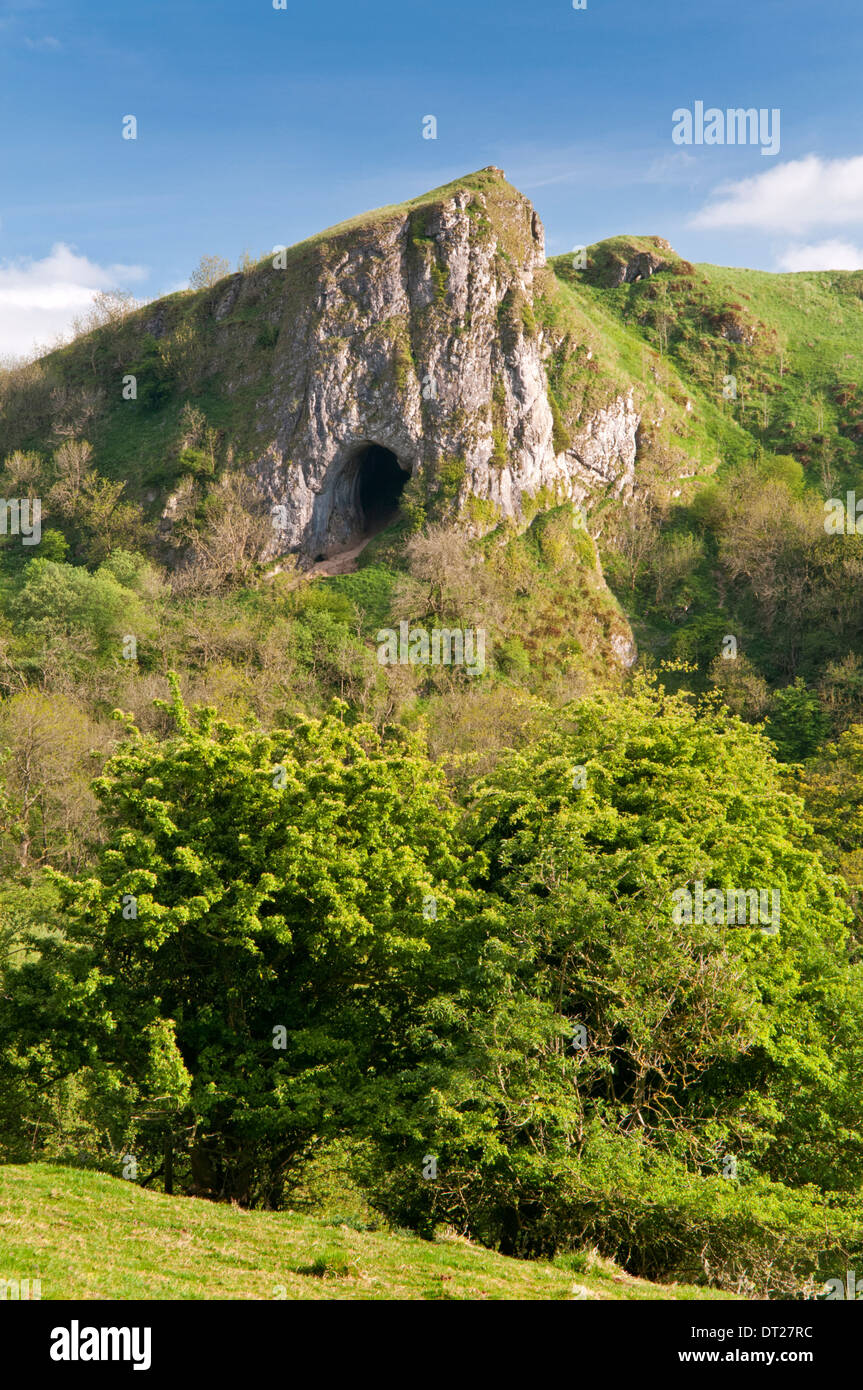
{"x":86,"y":1235}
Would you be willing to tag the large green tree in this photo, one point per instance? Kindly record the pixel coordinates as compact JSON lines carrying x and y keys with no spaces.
{"x":610,"y":1042}
{"x":251,"y":954}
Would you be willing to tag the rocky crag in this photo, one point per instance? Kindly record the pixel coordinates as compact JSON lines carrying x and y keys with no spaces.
{"x":416,"y":331}
{"x":420,"y":336}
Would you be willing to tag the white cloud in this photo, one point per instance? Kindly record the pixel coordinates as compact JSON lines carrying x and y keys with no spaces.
{"x":39,"y":299}
{"x":823,"y":255}
{"x":47,"y":43}
{"x":810,"y":192}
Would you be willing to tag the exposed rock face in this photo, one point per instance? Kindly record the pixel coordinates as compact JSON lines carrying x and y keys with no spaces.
{"x":624,"y":649}
{"x":415,"y":332}
{"x":641,"y":267}
{"x":734,"y":331}
{"x":622,"y":262}
{"x":605,"y":452}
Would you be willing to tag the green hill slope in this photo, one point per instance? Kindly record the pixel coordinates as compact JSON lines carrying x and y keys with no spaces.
{"x":769,"y":360}
{"x":86,"y":1235}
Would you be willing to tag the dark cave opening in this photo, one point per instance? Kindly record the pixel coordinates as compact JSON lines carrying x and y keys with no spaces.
{"x":380,"y":484}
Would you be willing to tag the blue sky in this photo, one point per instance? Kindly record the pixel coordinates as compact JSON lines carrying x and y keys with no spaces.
{"x":259,"y":126}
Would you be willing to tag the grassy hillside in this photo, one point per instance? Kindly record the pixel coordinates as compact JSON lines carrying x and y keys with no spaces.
{"x":791,"y":343}
{"x":91,"y":1236}
{"x":749,"y":388}
{"x":757,"y":361}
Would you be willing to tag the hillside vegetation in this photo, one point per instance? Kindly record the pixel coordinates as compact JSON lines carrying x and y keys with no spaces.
{"x":750,"y":382}
{"x":269,"y":898}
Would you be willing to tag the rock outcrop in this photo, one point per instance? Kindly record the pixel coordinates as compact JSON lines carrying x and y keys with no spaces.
{"x":415,"y":331}
{"x":641,"y":267}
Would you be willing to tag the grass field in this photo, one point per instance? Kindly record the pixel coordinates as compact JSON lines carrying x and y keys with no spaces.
{"x":88,"y":1236}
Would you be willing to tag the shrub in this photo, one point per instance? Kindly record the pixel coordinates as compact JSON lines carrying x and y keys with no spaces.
{"x":208,"y":272}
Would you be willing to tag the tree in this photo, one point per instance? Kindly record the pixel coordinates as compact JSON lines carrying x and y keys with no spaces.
{"x":789,"y":578}
{"x":255,"y":933}
{"x":102,"y":325}
{"x":608,"y":1042}
{"x":831,"y":785}
{"x":208,"y":272}
{"x":93,"y":506}
{"x":23,"y":474}
{"x":744,"y":691}
{"x":797,"y":722}
{"x":73,"y":465}
{"x":108,"y":309}
{"x":49,"y":753}
{"x":446,"y":579}
{"x":232,"y":537}
{"x":59,"y":600}
{"x":663,"y":316}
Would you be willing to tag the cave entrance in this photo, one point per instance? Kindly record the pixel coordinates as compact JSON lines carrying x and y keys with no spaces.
{"x":380,"y":483}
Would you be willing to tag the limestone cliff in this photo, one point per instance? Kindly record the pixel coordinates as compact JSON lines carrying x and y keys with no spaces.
{"x":414,"y":330}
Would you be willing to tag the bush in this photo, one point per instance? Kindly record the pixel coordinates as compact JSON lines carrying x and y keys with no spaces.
{"x":757,"y":1240}
{"x":268,"y":336}
{"x":67,"y":599}
{"x":208,"y":272}
{"x":797,"y":722}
